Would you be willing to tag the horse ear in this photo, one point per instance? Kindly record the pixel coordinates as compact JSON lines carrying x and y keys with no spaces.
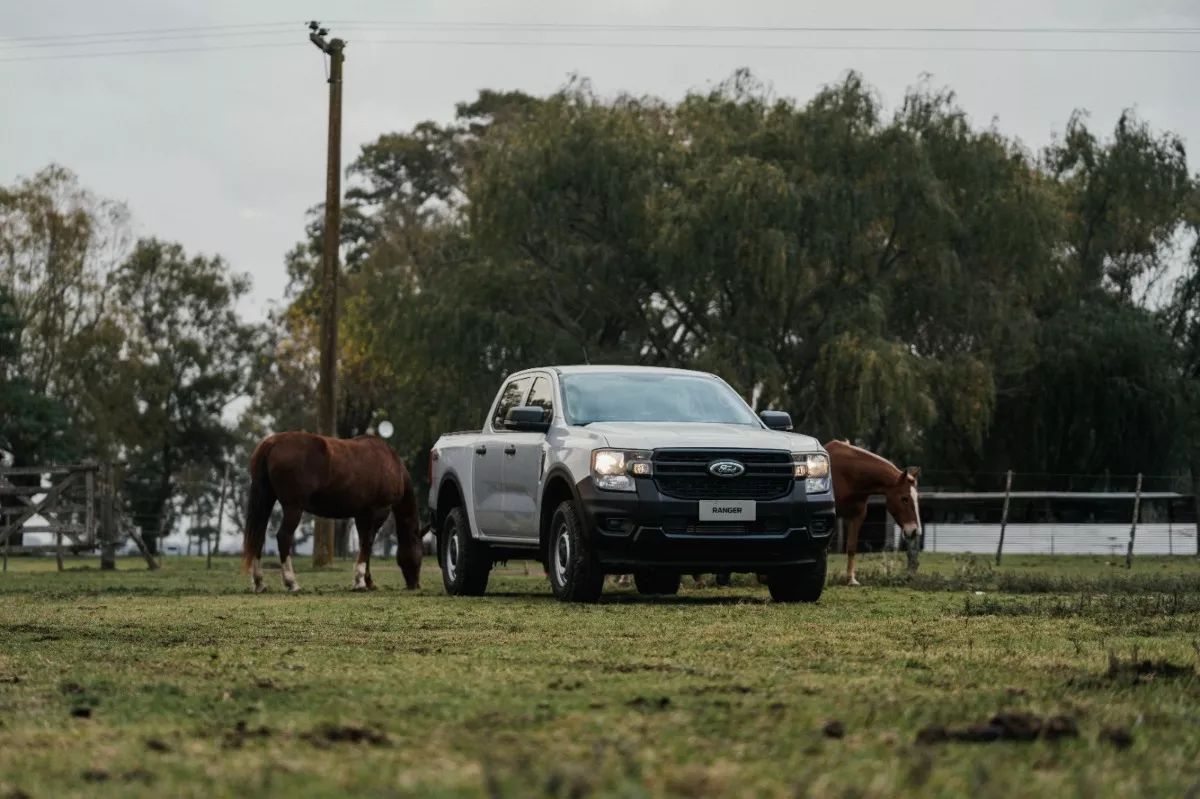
{"x":914,"y":472}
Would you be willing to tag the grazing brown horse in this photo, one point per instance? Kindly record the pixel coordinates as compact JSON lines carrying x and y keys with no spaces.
{"x":857,"y":474}
{"x":360,"y":478}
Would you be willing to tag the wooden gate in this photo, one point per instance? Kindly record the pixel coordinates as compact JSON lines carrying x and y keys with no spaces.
{"x":67,"y":509}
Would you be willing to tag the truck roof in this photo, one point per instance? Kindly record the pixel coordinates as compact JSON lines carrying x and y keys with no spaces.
{"x":582,"y":369}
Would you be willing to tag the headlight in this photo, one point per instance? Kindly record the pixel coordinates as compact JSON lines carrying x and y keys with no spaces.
{"x":813,"y":469}
{"x":614,"y":469}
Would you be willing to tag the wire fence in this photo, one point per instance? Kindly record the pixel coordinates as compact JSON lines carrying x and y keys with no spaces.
{"x":962,"y":512}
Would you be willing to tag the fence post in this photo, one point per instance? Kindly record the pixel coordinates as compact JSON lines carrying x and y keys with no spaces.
{"x":1004,"y":514}
{"x":220,"y":516}
{"x":89,"y":513}
{"x":1137,"y":506}
{"x":1196,"y":502}
{"x":108,"y":529}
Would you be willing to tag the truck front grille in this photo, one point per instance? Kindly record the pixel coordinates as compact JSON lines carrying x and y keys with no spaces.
{"x":683,"y":474}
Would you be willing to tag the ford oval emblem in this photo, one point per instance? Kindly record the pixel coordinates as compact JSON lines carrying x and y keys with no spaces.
{"x":726,"y":469}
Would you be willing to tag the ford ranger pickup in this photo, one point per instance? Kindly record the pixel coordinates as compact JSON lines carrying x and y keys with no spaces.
{"x":596,"y":470}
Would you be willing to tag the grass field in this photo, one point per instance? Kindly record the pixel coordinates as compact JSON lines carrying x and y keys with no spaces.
{"x":181,"y":683}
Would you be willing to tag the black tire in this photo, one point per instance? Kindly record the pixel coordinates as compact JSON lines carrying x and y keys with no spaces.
{"x":798,"y":584}
{"x":652,"y":582}
{"x":466,"y":563}
{"x":575,"y":575}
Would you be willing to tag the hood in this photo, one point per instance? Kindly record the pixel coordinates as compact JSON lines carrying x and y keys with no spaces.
{"x":656,"y":435}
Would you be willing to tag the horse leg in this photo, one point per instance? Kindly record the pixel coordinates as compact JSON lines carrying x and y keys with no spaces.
{"x":698,"y":579}
{"x":367,"y":526}
{"x":855,"y":522}
{"x":285,"y":537}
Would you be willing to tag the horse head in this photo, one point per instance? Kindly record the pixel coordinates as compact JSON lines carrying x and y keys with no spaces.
{"x":902,"y":503}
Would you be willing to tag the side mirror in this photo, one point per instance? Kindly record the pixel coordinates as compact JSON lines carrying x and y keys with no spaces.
{"x":777,"y":420}
{"x":527,"y":419}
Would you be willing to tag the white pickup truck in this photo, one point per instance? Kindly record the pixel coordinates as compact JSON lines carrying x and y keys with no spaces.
{"x":596,"y":470}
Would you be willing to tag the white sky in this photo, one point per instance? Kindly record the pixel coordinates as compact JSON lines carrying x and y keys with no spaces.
{"x":224,"y":150}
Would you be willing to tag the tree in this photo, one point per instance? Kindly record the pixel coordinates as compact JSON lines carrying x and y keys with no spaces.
{"x":189,"y":356}
{"x":33,"y":427}
{"x":928,"y":289}
{"x":58,"y":246}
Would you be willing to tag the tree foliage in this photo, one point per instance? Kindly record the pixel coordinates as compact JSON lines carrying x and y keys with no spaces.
{"x":934,"y":291}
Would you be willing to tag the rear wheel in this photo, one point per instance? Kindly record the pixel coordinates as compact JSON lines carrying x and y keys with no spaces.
{"x":798,"y":583}
{"x":466,"y":563}
{"x":652,"y":582}
{"x":575,"y":574}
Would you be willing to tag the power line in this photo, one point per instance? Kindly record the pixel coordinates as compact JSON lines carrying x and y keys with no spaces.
{"x":637,"y":45}
{"x":191,"y":29}
{"x":18,"y":46}
{"x":551,"y":26}
{"x":71,"y":56}
{"x":243,"y":28}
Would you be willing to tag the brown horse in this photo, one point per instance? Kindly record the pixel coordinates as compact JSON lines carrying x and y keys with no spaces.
{"x":857,"y":474}
{"x":360,"y":478}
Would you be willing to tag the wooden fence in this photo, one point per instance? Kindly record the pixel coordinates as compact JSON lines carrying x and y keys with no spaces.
{"x":78,"y":508}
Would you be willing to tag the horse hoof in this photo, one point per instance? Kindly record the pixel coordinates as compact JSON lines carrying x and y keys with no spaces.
{"x":295,"y":589}
{"x":258,"y":589}
{"x":358,"y":587}
{"x":854,"y":583}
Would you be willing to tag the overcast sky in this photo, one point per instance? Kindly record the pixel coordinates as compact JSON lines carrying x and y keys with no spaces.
{"x":223,"y":150}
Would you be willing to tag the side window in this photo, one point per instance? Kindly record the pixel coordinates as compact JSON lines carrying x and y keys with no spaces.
{"x":514,"y":392}
{"x":542,"y":396}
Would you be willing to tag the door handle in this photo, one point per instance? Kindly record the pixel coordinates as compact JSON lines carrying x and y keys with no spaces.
{"x":510,"y":450}
{"x":481,"y":450}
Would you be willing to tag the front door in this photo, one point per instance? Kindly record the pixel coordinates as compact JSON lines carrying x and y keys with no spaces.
{"x":487,"y":480}
{"x":524,"y":455}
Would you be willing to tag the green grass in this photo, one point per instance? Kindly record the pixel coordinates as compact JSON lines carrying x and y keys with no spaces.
{"x":195,"y":687}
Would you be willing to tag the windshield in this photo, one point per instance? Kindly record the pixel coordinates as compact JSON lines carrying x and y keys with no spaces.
{"x":652,"y":397}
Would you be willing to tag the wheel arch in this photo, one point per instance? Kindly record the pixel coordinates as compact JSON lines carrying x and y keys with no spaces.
{"x":449,"y":497}
{"x":558,"y":488}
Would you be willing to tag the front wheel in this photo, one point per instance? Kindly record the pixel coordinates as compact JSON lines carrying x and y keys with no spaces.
{"x":798,"y":583}
{"x":575,"y":575}
{"x":466,"y":563}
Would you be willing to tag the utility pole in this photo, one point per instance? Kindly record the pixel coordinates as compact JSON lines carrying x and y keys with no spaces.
{"x":327,"y":397}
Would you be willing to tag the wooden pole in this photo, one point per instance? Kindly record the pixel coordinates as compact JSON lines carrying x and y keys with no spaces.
{"x":1137,"y":507}
{"x":89,"y":514}
{"x":1196,"y":502}
{"x":323,"y":534}
{"x":108,"y":527}
{"x":1004,"y":514}
{"x":220,"y":515}
{"x":1171,"y":527}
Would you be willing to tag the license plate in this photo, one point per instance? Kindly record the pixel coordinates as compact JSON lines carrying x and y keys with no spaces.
{"x":713,"y":511}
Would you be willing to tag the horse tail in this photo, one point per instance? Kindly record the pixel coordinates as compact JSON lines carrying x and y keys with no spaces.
{"x":258,"y":511}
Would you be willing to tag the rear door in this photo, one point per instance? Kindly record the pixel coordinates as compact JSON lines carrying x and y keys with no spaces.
{"x":487,"y":479}
{"x":523,"y":460}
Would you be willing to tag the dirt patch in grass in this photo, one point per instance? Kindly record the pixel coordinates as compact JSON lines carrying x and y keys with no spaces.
{"x":329,"y":734}
{"x":1003,"y":727}
{"x":241,"y":733}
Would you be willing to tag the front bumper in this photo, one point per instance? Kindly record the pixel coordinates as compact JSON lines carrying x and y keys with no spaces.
{"x":647,"y":529}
